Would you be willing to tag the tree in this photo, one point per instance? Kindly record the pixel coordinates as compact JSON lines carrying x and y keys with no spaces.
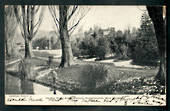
{"x":111,"y":36}
{"x":118,"y":42}
{"x":10,"y":27}
{"x":66,"y":14}
{"x":156,"y":15}
{"x":146,"y":48}
{"x":29,"y":18}
{"x":42,"y":43}
{"x":102,"y":47}
{"x":89,"y":43}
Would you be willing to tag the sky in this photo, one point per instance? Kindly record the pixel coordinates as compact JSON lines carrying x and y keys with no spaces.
{"x":120,"y":17}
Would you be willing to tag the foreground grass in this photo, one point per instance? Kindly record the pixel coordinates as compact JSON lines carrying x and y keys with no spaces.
{"x":86,"y":78}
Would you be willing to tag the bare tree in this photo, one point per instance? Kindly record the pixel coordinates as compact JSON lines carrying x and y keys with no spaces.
{"x":69,"y":18}
{"x":156,"y":14}
{"x":29,"y":18}
{"x":10,"y":28}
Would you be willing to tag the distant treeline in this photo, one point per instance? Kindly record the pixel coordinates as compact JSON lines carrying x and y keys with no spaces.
{"x":137,"y":44}
{"x":46,"y":43}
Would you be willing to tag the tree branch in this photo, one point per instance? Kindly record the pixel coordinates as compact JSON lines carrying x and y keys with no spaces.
{"x":38,"y":22}
{"x":35,"y":10}
{"x":81,"y":12}
{"x":52,"y":10}
{"x":24,"y":20}
{"x":72,"y":12}
{"x":28,"y":20}
{"x":16,"y":10}
{"x":73,"y":27}
{"x":32,"y":22}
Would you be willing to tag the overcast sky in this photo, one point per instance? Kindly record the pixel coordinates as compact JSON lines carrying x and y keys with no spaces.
{"x":119,"y":17}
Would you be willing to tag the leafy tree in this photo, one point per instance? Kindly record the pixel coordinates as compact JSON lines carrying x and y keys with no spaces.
{"x":55,"y":44}
{"x":89,"y":43}
{"x":75,"y":47}
{"x":146,"y":50}
{"x":119,"y":45}
{"x":102,"y":47}
{"x":95,"y":44}
{"x":42,"y":43}
{"x":111,"y":39}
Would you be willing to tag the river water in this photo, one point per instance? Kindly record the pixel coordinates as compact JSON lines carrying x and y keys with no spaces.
{"x":13,"y":85}
{"x":19,"y":85}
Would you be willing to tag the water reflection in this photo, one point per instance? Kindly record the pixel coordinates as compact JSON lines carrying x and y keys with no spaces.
{"x":17,"y":80}
{"x":12,"y":85}
{"x":26,"y":69}
{"x":27,"y":87}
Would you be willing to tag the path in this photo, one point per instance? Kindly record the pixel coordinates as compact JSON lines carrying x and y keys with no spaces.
{"x":12,"y":62}
{"x":125,"y":63}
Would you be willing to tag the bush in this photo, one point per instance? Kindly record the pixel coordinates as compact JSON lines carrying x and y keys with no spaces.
{"x":42,"y":43}
{"x":88,"y":46}
{"x":102,"y":48}
{"x":94,"y":76}
{"x":95,"y":44}
{"x":75,"y":49}
{"x":119,"y":44}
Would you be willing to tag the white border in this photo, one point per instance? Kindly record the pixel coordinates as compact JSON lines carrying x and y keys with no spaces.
{"x":90,"y":100}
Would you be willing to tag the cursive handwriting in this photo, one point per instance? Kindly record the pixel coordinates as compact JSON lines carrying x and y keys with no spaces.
{"x":16,"y":99}
{"x":111,"y":100}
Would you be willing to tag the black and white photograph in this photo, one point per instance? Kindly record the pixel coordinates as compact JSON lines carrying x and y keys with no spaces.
{"x":85,"y":54}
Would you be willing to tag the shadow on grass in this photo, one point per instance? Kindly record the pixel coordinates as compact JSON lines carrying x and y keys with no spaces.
{"x":146,"y":63}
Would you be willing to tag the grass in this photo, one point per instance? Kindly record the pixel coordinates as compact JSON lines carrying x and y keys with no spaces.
{"x":147,"y":63}
{"x":44,"y":53}
{"x":85,"y":74}
{"x":120,"y":79}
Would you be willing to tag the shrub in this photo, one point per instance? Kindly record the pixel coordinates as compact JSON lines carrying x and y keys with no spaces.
{"x":94,"y":76}
{"x":102,"y":48}
{"x":88,"y":46}
{"x":75,"y":49}
{"x":42,"y":43}
{"x":119,"y":44}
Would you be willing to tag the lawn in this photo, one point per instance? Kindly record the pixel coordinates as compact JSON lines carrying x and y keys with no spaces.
{"x":94,"y":77}
{"x":47,"y":53}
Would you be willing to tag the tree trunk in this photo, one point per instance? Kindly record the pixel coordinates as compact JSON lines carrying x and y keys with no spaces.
{"x":67,"y":56}
{"x":28,"y":48}
{"x":10,"y":48}
{"x":6,"y":48}
{"x":156,"y":14}
{"x":161,"y":75}
{"x":27,"y":72}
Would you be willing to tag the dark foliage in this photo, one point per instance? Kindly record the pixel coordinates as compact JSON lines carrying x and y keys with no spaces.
{"x":146,"y":48}
{"x":44,"y":43}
